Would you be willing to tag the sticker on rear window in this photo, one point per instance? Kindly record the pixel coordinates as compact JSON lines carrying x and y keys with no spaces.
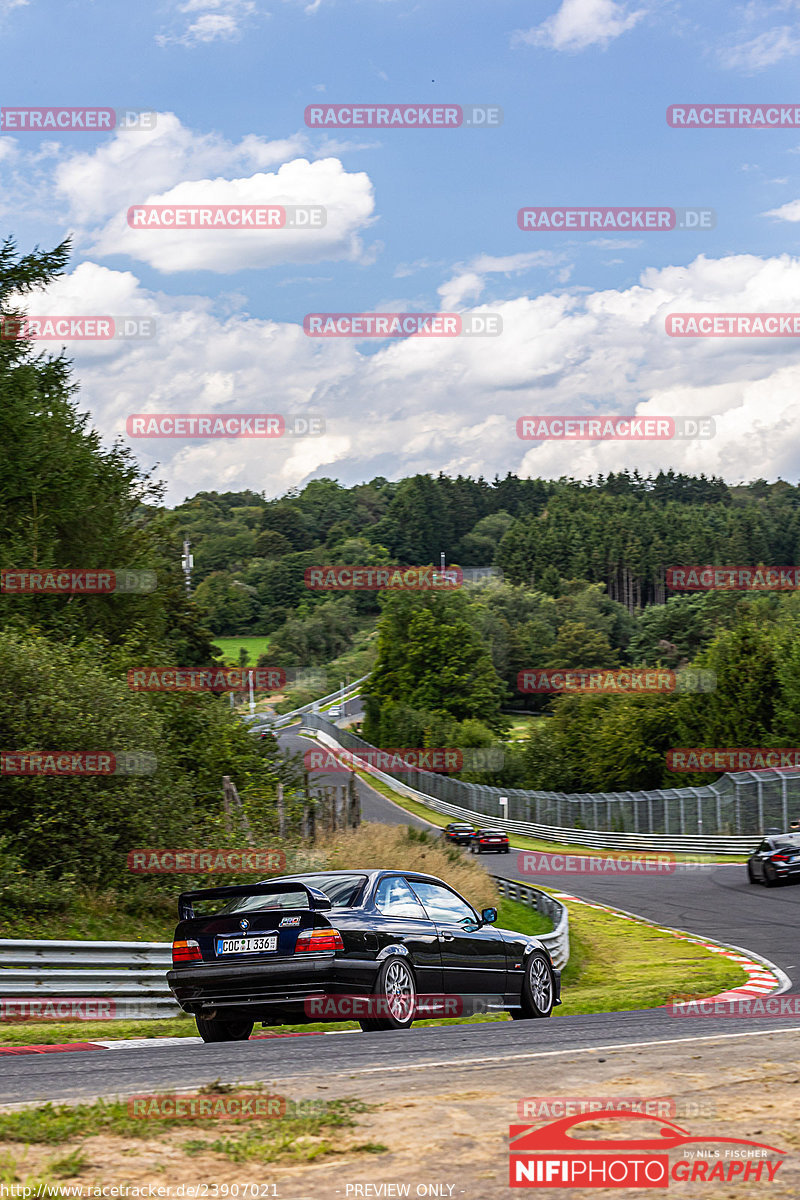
{"x":286,"y":921}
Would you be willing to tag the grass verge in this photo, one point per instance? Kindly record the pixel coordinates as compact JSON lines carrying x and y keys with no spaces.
{"x":302,"y":1133}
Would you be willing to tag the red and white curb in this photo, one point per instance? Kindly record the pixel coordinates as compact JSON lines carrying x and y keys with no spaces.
{"x":137,"y":1043}
{"x":763,"y":976}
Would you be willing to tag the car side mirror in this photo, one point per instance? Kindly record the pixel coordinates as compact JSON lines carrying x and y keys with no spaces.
{"x":489,"y":916}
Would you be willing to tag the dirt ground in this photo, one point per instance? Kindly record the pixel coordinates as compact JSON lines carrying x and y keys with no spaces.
{"x":446,"y":1130}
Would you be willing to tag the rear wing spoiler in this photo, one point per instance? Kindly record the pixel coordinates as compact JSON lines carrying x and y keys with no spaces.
{"x":317,"y":900}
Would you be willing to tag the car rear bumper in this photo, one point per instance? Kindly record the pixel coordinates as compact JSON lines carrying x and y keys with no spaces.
{"x":269,"y":988}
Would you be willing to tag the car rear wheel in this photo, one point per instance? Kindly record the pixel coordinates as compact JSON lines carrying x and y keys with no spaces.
{"x":770,"y":875}
{"x":213,"y":1029}
{"x":538,"y":992}
{"x":750,"y":876}
{"x":396,"y":992}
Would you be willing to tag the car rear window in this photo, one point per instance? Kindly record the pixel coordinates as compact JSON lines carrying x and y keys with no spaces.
{"x":341,"y":890}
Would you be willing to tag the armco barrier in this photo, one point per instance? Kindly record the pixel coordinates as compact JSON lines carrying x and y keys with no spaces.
{"x":481,"y":805}
{"x":557,"y":942}
{"x":287,"y":718}
{"x":133,"y":974}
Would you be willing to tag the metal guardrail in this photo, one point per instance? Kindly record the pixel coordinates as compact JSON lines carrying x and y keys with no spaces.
{"x":332,"y":736}
{"x":556,"y":942}
{"x":654,"y":826}
{"x":132,"y":974}
{"x":287,"y":718}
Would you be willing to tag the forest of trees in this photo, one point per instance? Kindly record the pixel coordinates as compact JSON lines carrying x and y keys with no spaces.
{"x":580,"y":581}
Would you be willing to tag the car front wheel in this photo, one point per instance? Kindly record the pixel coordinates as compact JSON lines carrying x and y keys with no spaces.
{"x":212,"y":1029}
{"x":395,"y":993}
{"x":538,"y":992}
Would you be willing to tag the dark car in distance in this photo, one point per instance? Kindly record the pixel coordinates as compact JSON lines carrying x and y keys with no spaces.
{"x":775,"y":859}
{"x":458,"y":833}
{"x":377,"y":946}
{"x":488,"y":840}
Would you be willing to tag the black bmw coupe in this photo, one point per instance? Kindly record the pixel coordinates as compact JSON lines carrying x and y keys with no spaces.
{"x":377,"y":946}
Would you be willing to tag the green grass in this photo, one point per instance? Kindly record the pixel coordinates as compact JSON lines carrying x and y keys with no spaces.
{"x":616,"y":964}
{"x":296,"y":1136}
{"x":518,"y":841}
{"x":522,"y":725}
{"x":230,"y":647}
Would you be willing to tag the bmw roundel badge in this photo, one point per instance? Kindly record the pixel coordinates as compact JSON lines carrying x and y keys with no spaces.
{"x":244,"y":923}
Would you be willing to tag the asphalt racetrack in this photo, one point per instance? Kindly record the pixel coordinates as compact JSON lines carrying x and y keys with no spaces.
{"x":713,"y":900}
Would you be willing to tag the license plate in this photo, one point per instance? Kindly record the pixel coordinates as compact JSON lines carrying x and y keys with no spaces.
{"x":794,"y":858}
{"x":246,"y":945}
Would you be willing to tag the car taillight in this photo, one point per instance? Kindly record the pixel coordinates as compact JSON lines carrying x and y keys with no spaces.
{"x":183,"y":952}
{"x":779,"y":858}
{"x":312,"y":941}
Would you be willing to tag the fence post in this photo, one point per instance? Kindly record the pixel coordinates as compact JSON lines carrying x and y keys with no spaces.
{"x":281,"y":807}
{"x":354,"y":815}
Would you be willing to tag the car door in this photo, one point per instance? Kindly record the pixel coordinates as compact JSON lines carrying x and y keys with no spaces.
{"x":759,"y":857}
{"x":401,"y":921}
{"x":473,"y":963}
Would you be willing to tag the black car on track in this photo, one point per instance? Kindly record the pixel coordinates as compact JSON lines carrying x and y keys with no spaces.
{"x":488,"y":840}
{"x":458,"y":833}
{"x":377,"y":946}
{"x":775,"y":859}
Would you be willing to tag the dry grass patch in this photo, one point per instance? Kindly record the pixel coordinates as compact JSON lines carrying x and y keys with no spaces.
{"x":403,"y":848}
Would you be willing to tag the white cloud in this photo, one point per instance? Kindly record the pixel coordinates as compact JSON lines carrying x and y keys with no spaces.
{"x":469,"y":281}
{"x":787,"y":212}
{"x":218,"y":20}
{"x":97,"y":183}
{"x":581,"y":23}
{"x":768,"y":48}
{"x":347,"y":198}
{"x":430,"y":404}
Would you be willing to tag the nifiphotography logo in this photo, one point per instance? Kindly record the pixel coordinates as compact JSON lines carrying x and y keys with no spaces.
{"x":552,"y":1156}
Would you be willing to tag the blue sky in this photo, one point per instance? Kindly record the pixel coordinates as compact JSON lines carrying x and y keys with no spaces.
{"x":419,"y":220}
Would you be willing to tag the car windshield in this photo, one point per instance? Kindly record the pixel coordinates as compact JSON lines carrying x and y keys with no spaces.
{"x":787,"y":844}
{"x":341,"y":890}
